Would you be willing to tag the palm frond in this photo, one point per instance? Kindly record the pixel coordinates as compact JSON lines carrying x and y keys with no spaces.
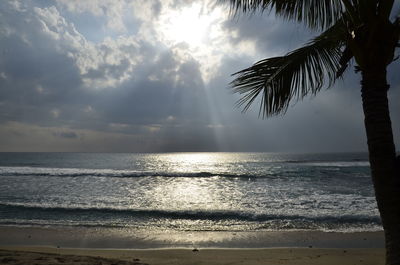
{"x":304,"y":71}
{"x":347,"y":55}
{"x":384,"y":8}
{"x":314,"y":13}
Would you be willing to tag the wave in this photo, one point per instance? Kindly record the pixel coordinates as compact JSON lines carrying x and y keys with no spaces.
{"x":81,"y":172}
{"x":317,"y":163}
{"x":213,"y":215}
{"x":117,"y":173}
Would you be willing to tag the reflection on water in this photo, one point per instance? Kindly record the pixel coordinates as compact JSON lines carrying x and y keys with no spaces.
{"x":195,"y":162}
{"x":188,"y":191}
{"x":194,"y":194}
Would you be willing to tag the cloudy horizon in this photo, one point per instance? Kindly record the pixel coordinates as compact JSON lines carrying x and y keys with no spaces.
{"x":153,"y":76}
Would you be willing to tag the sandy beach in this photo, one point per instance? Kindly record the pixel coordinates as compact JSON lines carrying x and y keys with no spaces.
{"x":41,"y":245}
{"x":289,"y":256}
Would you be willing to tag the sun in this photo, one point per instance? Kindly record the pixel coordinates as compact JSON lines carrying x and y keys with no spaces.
{"x":191,"y":25}
{"x":195,"y":31}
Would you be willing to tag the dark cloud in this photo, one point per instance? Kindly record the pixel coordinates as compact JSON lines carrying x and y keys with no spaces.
{"x":68,"y":134}
{"x":272,"y":36}
{"x":156,"y":8}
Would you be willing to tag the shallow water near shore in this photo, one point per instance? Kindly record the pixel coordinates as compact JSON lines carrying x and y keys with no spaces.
{"x":189,"y":192}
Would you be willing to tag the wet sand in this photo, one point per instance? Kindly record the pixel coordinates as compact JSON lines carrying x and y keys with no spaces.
{"x":272,"y":256}
{"x":94,"y":246}
{"x":81,"y":237}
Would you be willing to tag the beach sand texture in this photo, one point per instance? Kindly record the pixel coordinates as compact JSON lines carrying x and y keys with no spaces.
{"x":287,"y":256}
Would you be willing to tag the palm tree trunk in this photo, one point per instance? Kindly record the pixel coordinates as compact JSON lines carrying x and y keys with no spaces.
{"x":382,"y":156}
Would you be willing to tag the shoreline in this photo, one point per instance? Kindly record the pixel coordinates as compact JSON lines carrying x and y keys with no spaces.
{"x":131,"y":238}
{"x":266,"y":256}
{"x":93,"y":246}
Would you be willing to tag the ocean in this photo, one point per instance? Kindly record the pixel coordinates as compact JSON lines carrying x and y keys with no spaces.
{"x":189,"y":191}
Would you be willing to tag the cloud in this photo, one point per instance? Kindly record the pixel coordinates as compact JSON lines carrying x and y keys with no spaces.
{"x":101,"y":76}
{"x":111,"y":10}
{"x":102,"y":65}
{"x":121,"y":85}
{"x":269,"y":35}
{"x":66,"y":134}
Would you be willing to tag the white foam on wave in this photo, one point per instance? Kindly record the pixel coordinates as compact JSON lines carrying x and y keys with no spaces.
{"x":339,"y":164}
{"x":44,"y":171}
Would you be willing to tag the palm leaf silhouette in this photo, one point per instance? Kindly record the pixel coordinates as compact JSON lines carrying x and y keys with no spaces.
{"x":304,"y":71}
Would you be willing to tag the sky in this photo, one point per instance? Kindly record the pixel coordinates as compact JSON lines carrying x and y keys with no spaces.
{"x":153,"y":76}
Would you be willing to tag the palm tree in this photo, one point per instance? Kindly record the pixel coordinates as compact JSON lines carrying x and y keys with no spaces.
{"x":350,"y":30}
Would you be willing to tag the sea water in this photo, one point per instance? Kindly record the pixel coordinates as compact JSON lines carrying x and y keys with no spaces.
{"x":189,"y":191}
